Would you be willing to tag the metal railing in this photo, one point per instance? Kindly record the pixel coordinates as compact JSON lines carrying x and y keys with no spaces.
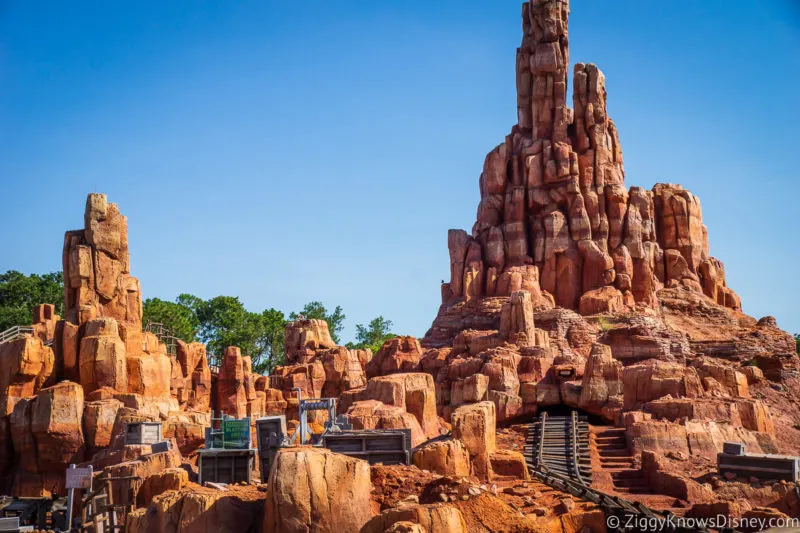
{"x":14,"y":333}
{"x":214,"y":362}
{"x":275,"y":382}
{"x":164,"y":335}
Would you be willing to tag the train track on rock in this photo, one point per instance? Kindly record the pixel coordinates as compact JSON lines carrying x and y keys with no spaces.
{"x":557,"y":452}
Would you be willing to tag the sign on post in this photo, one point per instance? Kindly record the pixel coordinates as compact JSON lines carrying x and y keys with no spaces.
{"x":236,"y":433}
{"x":79,"y":478}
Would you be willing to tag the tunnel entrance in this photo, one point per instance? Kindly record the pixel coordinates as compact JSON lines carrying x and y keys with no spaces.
{"x":565,"y":410}
{"x":555,"y":410}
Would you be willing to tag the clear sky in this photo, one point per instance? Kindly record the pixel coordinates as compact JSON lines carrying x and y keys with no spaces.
{"x":291,"y":151}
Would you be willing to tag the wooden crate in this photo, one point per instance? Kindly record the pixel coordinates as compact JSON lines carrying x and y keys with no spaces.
{"x":143,"y":433}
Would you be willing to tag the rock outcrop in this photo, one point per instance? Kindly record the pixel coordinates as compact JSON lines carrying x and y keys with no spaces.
{"x":196,"y":375}
{"x":314,"y":489}
{"x":555,"y":217}
{"x":47,"y":434}
{"x":474,"y":425}
{"x":316,"y":366}
{"x":97,"y":280}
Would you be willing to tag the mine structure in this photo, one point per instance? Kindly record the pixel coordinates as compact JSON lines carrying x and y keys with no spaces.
{"x":588,"y":360}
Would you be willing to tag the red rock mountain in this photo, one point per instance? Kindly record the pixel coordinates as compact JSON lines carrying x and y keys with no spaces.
{"x":555,"y":216}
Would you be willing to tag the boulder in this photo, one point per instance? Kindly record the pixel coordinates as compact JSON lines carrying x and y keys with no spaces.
{"x":509,"y":463}
{"x":204,"y":510}
{"x":475,"y":388}
{"x":413,"y":392}
{"x":197,"y":510}
{"x":654,"y":379}
{"x":309,"y":377}
{"x":603,"y":300}
{"x":372,"y":414}
{"x":343,"y":371}
{"x":755,"y":416}
{"x":399,"y":354}
{"x":602,"y":380}
{"x":187,"y":429}
{"x":502,"y":374}
{"x":26,"y":365}
{"x":103,"y":357}
{"x":448,"y":458}
{"x":657,"y":436}
{"x":55,"y":424}
{"x":314,"y":489}
{"x":733,"y":382}
{"x":160,"y":482}
{"x":636,"y":338}
{"x":507,"y":406}
{"x":475,"y":425}
{"x":516,"y":319}
{"x":752,"y":373}
{"x":304,"y":337}
{"x":706,"y":439}
{"x":98,"y":423}
{"x":231,"y":393}
{"x":430,"y":518}
{"x":149,"y":374}
{"x":194,"y":366}
{"x":129,"y":475}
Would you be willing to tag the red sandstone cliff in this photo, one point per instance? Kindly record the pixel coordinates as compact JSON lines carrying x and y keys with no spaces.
{"x":555,"y":216}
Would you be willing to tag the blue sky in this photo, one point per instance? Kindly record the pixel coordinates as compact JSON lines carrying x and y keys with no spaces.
{"x":286,"y":152}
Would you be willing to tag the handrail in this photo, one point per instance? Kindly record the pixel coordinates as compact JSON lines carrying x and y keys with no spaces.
{"x":14,"y":332}
{"x":164,"y":335}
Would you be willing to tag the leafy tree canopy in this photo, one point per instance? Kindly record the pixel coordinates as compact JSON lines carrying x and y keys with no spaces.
{"x":373,"y":335}
{"x":181,"y":320}
{"x":797,"y":343}
{"x":220,"y":322}
{"x":19,"y":294}
{"x":335,"y":319}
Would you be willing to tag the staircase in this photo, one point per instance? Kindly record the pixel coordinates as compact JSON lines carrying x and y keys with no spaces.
{"x":618,"y":461}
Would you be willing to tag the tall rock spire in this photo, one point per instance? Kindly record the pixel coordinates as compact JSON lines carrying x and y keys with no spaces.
{"x":542,"y":64}
{"x":555,"y":217}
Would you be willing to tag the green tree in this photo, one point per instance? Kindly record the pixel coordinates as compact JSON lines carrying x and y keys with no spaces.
{"x":221,"y":322}
{"x":180,"y":319}
{"x":271,"y":341}
{"x":373,"y":335}
{"x":225,"y":322}
{"x":315,"y":309}
{"x":797,"y":343}
{"x":19,"y":294}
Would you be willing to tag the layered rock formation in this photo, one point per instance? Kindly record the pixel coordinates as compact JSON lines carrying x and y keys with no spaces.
{"x":70,"y":403}
{"x":555,"y":217}
{"x":317,"y":490}
{"x":572,"y":290}
{"x":97,"y":266}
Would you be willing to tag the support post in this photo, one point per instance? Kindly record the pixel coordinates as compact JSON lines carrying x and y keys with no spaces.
{"x":70,"y":497}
